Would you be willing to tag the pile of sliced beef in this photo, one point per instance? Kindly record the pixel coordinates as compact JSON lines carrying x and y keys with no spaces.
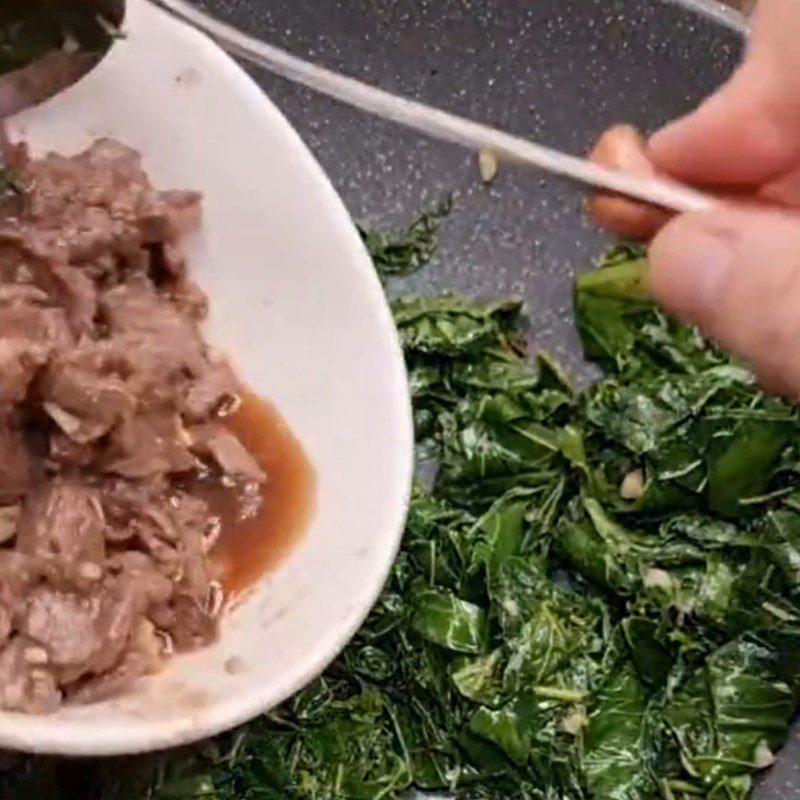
{"x":112,"y":415}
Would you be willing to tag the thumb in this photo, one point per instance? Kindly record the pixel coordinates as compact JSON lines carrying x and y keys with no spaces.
{"x":736,"y":274}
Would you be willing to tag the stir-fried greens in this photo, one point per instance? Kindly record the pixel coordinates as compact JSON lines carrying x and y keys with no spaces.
{"x":598,"y":596}
{"x":398,"y":254}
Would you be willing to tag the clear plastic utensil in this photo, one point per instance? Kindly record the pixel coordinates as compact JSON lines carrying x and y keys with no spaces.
{"x":437,"y":123}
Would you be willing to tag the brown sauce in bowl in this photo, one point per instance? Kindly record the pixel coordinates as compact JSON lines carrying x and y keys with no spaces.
{"x":253,"y":545}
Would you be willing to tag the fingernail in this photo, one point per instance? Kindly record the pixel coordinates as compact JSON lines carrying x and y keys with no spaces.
{"x":691,"y":262}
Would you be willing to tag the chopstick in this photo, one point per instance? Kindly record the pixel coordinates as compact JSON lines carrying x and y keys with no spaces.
{"x":440,"y":124}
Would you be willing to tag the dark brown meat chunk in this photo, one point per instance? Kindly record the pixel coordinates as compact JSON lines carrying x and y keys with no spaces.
{"x":135,"y":311}
{"x":188,"y":622}
{"x":191,"y":518}
{"x":167,"y":263}
{"x":18,"y":468}
{"x":84,"y":393}
{"x":214,"y":392}
{"x":90,"y":201}
{"x":100,"y":202}
{"x":18,"y":366}
{"x":18,"y":574}
{"x":26,"y":686}
{"x":65,"y":625}
{"x":87,"y":635}
{"x":189,"y":299}
{"x":142,"y":572}
{"x":67,"y":454}
{"x":166,"y":216}
{"x":122,"y":604}
{"x":29,"y":336}
{"x":163,"y":348}
{"x":133,"y":665}
{"x":148,"y":446}
{"x":80,"y":297}
{"x":232,"y":457}
{"x":63,"y":521}
{"x":9,"y":519}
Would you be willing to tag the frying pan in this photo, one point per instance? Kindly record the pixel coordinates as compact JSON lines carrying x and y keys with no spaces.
{"x":557,"y":71}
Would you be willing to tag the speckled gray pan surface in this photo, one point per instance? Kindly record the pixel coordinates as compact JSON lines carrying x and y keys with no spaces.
{"x":555,"y":70}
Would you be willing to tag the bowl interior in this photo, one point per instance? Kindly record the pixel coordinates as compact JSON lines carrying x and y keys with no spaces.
{"x":296,"y":303}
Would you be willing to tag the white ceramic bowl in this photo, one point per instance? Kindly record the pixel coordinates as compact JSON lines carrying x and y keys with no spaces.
{"x":296,"y":303}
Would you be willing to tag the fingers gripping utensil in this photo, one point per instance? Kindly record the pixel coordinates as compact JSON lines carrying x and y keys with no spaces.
{"x":437,"y":123}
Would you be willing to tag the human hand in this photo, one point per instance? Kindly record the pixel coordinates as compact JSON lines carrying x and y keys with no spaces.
{"x":733,"y":271}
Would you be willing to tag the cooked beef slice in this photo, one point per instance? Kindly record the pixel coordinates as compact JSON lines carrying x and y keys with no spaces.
{"x":112,"y":412}
{"x":18,"y":468}
{"x":171,"y":528}
{"x":65,"y":454}
{"x":122,"y":604}
{"x":18,"y":574}
{"x":54,"y":281}
{"x":166,"y":216}
{"x":80,"y":297}
{"x":64,"y":624}
{"x":132,"y":666}
{"x":84,"y":393}
{"x":26,"y":685}
{"x":21,"y":293}
{"x":62,"y":520}
{"x":214,"y":392}
{"x":18,"y":366}
{"x":189,"y":299}
{"x":30,"y":335}
{"x":188,"y":622}
{"x":137,"y":312}
{"x":153,"y":586}
{"x":9,"y":519}
{"x":215,"y":441}
{"x":89,"y":635}
{"x":101,"y":200}
{"x":149,"y":445}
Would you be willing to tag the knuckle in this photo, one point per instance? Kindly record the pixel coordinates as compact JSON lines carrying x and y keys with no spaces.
{"x":623,"y":147}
